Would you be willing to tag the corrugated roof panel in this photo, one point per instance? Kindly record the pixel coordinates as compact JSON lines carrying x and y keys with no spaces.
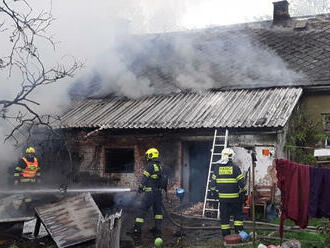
{"x":232,"y":108}
{"x":72,"y":220}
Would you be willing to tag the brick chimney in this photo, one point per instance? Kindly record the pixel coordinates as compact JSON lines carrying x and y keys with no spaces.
{"x":281,"y":12}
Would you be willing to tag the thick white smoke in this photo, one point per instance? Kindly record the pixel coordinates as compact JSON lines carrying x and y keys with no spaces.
{"x":163,"y":63}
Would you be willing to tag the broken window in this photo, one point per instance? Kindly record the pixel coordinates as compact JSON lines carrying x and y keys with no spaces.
{"x":119,"y":160}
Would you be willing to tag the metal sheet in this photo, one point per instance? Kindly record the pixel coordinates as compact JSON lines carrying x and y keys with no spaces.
{"x":72,"y":220}
{"x":12,"y":209}
{"x":247,"y":108}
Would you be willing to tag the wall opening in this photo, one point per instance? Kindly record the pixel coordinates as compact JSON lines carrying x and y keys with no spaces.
{"x":119,"y":160}
{"x":199,"y":159}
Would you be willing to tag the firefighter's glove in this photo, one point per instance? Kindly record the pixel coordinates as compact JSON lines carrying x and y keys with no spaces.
{"x":243,"y":195}
{"x":140,"y":189}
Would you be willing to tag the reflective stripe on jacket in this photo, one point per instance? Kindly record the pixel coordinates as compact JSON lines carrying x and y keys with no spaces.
{"x":227,"y":180}
{"x":152,"y":176}
{"x":31,"y":168}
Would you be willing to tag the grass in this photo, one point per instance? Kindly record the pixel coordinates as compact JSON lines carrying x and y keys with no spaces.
{"x":307,"y":239}
{"x":311,"y":222}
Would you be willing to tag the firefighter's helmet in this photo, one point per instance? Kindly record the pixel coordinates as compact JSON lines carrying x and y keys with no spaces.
{"x":152,"y":153}
{"x":30,"y":150}
{"x":227,"y":153}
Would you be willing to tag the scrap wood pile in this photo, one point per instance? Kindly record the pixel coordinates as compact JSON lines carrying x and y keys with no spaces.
{"x":172,"y":202}
{"x":195,"y":210}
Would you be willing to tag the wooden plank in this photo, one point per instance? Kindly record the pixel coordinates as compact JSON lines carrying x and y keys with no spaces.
{"x":108,"y":231}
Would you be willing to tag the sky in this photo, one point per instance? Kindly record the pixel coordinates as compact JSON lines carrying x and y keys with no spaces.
{"x":86,"y":30}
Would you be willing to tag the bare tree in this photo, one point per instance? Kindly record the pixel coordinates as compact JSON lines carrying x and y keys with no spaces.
{"x":24,"y":30}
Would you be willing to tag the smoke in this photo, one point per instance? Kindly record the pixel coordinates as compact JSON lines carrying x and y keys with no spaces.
{"x":166,"y":63}
{"x":7,"y":154}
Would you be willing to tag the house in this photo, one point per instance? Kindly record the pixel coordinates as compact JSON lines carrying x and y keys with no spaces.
{"x":109,"y":135}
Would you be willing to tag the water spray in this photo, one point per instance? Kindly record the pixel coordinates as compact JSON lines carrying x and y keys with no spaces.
{"x":65,"y":189}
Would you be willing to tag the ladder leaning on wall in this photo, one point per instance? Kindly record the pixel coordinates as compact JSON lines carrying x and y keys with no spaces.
{"x":211,"y":206}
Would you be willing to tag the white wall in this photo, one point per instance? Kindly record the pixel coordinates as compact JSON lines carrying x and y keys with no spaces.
{"x":244,"y":161}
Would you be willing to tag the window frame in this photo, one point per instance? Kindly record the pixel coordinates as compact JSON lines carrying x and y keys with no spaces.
{"x":109,"y":171}
{"x":326,"y":121}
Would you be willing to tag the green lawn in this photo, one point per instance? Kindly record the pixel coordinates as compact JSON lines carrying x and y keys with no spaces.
{"x":307,"y":239}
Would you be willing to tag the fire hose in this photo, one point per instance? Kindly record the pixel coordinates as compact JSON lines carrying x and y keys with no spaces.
{"x":167,"y":214}
{"x":65,"y":189}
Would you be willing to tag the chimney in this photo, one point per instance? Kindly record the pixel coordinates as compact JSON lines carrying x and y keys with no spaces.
{"x":281,"y":12}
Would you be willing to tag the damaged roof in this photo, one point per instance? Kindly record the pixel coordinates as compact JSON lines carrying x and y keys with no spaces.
{"x":253,"y":108}
{"x":240,"y":56}
{"x":303,"y":45}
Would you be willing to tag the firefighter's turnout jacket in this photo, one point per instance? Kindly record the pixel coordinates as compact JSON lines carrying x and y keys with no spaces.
{"x":27,"y":170}
{"x":152,"y":176}
{"x":227,"y":180}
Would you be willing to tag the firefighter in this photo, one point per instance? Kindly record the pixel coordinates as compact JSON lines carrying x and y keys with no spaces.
{"x":226,"y":184}
{"x":152,"y":183}
{"x":27,"y":174}
{"x":27,"y":170}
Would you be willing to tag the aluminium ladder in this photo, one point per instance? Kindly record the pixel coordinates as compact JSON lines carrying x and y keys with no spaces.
{"x":211,"y":206}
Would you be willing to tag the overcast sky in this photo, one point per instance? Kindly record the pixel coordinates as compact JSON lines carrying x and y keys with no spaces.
{"x":86,"y":28}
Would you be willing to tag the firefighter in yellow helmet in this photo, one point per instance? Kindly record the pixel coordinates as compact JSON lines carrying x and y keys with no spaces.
{"x":226,"y":184}
{"x":27,"y":171}
{"x":153,"y":182}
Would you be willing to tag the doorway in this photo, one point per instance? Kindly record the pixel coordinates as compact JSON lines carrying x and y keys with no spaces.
{"x":199,"y":159}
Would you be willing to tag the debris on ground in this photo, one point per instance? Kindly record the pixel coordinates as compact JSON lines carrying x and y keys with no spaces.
{"x":195,"y":210}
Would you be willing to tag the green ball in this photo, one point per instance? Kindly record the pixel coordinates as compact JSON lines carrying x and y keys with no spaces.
{"x":158,"y":242}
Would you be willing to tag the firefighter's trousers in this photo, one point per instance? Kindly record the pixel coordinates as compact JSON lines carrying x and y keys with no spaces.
{"x":227,"y":210}
{"x":154,"y":199}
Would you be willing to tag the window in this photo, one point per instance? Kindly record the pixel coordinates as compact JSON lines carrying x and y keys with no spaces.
{"x":119,"y":160}
{"x":326,"y":120}
{"x":327,"y":142}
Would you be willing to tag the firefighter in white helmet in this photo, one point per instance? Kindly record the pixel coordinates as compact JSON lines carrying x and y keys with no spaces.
{"x":226,"y":184}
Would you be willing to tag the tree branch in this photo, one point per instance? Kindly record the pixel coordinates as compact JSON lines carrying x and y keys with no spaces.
{"x":25,"y":29}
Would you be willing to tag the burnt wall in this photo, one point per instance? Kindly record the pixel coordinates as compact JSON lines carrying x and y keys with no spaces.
{"x":92,"y":155}
{"x":174,"y":151}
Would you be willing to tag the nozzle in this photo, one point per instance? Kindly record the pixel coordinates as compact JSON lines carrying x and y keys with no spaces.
{"x":63,"y":188}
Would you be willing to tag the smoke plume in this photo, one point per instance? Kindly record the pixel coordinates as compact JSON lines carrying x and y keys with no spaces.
{"x":165,"y":63}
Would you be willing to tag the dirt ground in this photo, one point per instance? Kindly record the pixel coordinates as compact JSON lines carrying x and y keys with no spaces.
{"x":171,"y":233}
{"x":171,"y":236}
